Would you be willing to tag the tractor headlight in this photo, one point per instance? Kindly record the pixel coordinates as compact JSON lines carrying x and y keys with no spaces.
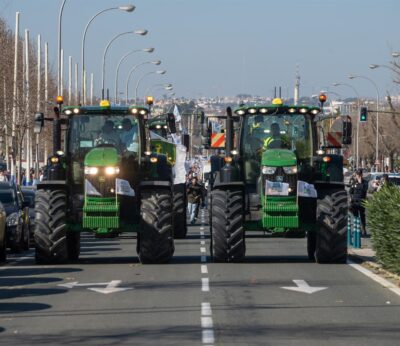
{"x":12,"y":219}
{"x":112,"y":170}
{"x":268,"y":170}
{"x":290,"y":170}
{"x":91,"y":170}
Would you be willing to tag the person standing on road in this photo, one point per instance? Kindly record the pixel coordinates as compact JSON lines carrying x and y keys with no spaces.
{"x":358,"y":194}
{"x":194,"y":196}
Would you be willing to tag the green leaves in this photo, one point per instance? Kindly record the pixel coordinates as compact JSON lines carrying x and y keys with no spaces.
{"x":383,"y":222}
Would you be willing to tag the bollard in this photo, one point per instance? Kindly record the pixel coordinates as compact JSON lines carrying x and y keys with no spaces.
{"x":357,"y":234}
{"x":349,"y":230}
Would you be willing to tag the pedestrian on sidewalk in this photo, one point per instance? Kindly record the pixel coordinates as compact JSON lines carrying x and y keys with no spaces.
{"x":358,"y":194}
{"x":194,"y":196}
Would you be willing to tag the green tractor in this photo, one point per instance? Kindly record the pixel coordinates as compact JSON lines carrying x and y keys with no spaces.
{"x":104,"y":180}
{"x":163,"y":141}
{"x":280,"y":179}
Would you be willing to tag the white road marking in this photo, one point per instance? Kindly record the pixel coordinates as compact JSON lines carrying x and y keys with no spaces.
{"x":385,"y":283}
{"x":111,"y":287}
{"x":203,"y":259}
{"x":206,"y":309}
{"x":203,"y":249}
{"x":201,"y":228}
{"x":208,"y":336}
{"x":204,"y":269}
{"x":203,"y":242}
{"x":206,"y":322}
{"x":202,"y":233}
{"x":205,"y":284}
{"x":304,"y":287}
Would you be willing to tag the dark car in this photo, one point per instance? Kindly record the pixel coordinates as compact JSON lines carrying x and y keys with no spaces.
{"x":3,"y":235}
{"x":29,"y":198}
{"x":17,"y":222}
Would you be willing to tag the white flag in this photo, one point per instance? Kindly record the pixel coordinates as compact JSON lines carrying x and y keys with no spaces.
{"x":177,"y":114}
{"x":90,"y":189}
{"x":306,"y":190}
{"x":124,"y":188}
{"x":273,"y":188}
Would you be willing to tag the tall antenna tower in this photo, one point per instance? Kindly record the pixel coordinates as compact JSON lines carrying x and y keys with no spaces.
{"x":297,"y":86}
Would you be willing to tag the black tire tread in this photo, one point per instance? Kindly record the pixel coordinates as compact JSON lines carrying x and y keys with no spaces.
{"x":155,"y":242}
{"x":179,"y":215}
{"x":331,"y":235}
{"x":50,"y":227}
{"x":228,"y":238}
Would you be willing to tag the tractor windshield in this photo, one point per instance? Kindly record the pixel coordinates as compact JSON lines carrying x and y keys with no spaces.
{"x":89,"y":131}
{"x":283,"y":131}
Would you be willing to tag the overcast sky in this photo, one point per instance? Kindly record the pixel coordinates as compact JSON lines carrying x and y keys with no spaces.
{"x":227,"y":47}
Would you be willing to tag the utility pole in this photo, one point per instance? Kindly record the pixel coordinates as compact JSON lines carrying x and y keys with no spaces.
{"x":70,"y":80}
{"x":39,"y":84}
{"x":76,"y":85}
{"x":15,"y":91}
{"x":27,"y":111}
{"x":5,"y":128}
{"x":91,"y":89}
{"x":46,"y":90}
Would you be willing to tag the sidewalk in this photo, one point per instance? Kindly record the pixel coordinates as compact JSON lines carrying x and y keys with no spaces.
{"x":366,"y":253}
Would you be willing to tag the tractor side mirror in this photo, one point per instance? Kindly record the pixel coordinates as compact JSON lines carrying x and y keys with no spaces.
{"x":38,"y":123}
{"x":347,"y":131}
{"x":171,"y":122}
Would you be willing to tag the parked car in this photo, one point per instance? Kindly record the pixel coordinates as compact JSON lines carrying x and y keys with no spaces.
{"x":3,"y":235}
{"x":17,"y":222}
{"x":28,"y":193}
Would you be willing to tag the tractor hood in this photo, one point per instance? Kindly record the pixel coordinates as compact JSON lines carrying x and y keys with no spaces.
{"x":102,"y":157}
{"x":278,"y":158}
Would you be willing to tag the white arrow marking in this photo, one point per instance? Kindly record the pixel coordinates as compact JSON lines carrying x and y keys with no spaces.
{"x":111,"y":287}
{"x":304,"y":287}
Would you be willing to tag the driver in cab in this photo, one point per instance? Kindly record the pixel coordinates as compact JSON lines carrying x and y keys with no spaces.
{"x":108,"y":134}
{"x":129,"y":137}
{"x":274,"y":140}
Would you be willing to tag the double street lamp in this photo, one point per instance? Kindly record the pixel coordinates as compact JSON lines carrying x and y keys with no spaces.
{"x":136,"y":32}
{"x":126,"y":8}
{"x":377,"y":114}
{"x":147,"y":50}
{"x":165,"y":86}
{"x":133,"y":69}
{"x":145,"y":75}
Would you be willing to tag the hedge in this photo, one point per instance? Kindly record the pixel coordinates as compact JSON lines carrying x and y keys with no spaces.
{"x":383,"y":222}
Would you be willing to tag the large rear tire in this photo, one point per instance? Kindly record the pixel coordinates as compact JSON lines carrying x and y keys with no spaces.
{"x":3,"y":248}
{"x":50,"y":227}
{"x":227,"y":232}
{"x":156,"y":241}
{"x":179,"y":212}
{"x":331,"y":236}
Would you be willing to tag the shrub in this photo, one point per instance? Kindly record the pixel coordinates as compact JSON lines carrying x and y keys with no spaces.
{"x":383,"y":222}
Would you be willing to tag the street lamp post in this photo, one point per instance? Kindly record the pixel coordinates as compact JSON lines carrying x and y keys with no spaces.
{"x":147,"y":50}
{"x":141,"y":78}
{"x":126,"y":8}
{"x":133,"y":69}
{"x":166,"y":86}
{"x":377,"y":114}
{"x":137,"y":32}
{"x":358,"y":121}
{"x":59,"y":89}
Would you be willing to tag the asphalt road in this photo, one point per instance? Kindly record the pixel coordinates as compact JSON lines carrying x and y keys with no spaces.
{"x":108,"y":298}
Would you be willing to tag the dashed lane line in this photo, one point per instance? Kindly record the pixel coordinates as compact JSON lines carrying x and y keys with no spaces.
{"x":204,"y":269}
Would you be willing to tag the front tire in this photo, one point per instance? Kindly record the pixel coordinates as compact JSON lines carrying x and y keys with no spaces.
{"x":179,"y":212}
{"x":155,"y":241}
{"x":50,"y":227}
{"x":331,"y":236}
{"x":227,"y":232}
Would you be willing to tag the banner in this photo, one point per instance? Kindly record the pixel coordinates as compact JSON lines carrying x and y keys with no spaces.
{"x":90,"y":189}
{"x":306,"y":190}
{"x":124,"y":188}
{"x":273,"y":188}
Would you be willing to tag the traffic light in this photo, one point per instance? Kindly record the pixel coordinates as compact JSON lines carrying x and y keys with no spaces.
{"x":363,"y":114}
